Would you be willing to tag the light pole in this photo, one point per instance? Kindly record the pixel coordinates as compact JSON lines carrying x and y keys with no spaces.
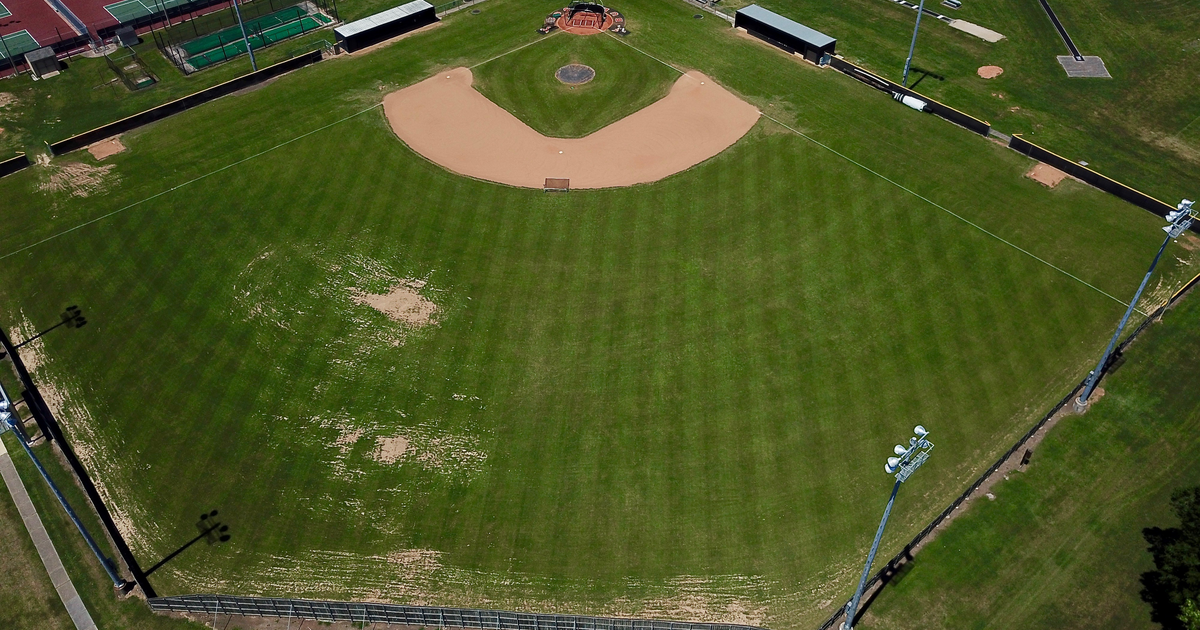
{"x":1180,"y":220}
{"x":8,"y":421}
{"x":904,"y":464}
{"x":242,"y":25}
{"x":913,"y":45}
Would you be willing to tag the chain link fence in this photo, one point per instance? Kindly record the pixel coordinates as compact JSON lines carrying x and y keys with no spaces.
{"x":426,"y":616}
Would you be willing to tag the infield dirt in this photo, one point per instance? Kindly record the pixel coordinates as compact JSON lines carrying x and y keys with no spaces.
{"x":444,"y":119}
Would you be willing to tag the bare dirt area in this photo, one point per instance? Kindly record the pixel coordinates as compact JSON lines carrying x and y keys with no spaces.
{"x":403,"y":303}
{"x":1046,"y":175}
{"x":990,"y":72}
{"x":7,"y":98}
{"x":389,"y":450}
{"x":101,"y":150}
{"x":444,"y":119}
{"x":76,"y":178}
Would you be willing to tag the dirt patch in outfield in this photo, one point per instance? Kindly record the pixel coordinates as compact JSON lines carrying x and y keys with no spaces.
{"x":1046,"y":175}
{"x":403,"y":303}
{"x":444,"y":119}
{"x":389,"y":450}
{"x":76,"y":178}
{"x":101,"y":150}
{"x":990,"y":72}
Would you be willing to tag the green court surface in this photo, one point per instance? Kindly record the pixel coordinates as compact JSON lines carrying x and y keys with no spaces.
{"x":17,"y":43}
{"x":257,"y":40}
{"x":4,"y":12}
{"x":234,"y":33}
{"x":129,"y":10}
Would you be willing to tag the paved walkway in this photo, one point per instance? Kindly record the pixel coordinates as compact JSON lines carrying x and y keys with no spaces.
{"x":41,"y":540}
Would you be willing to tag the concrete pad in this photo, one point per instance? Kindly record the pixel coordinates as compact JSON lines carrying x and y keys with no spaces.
{"x":1090,"y":68}
{"x":986,"y":34}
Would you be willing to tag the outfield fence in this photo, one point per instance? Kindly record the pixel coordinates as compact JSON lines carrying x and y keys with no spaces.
{"x":1088,"y":176}
{"x":181,"y":105}
{"x":939,"y":109}
{"x":13,"y":164}
{"x":885,"y":574}
{"x":426,"y":616}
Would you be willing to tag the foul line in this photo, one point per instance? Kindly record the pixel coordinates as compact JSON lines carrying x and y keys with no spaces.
{"x":540,"y":39}
{"x":914,"y":193}
{"x":190,"y":181}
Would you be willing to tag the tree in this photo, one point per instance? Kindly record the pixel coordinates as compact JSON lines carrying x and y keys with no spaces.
{"x":1190,"y":615}
{"x":1173,"y":589}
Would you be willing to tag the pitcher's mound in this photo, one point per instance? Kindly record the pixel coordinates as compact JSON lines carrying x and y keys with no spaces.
{"x":990,"y":72}
{"x":575,"y":74}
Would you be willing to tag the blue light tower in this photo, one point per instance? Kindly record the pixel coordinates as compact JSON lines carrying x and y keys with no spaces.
{"x":1179,"y":220}
{"x":904,"y":464}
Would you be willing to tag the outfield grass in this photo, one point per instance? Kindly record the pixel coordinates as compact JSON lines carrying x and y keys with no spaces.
{"x":671,"y":399}
{"x":1138,"y":127}
{"x":1061,"y":546}
{"x":523,"y":82}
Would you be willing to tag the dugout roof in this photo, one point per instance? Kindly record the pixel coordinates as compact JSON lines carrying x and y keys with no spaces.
{"x":391,"y":15}
{"x":791,"y":27}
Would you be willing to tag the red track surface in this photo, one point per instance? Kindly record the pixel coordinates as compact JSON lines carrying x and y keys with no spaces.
{"x":36,"y":17}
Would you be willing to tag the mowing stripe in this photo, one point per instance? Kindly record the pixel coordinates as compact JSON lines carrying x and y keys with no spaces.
{"x":913,"y":193}
{"x":223,"y":168}
{"x":541,"y":39}
{"x":190,"y":181}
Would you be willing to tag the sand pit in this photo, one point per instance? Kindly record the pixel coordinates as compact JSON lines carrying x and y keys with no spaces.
{"x":101,"y":150}
{"x":990,"y":72}
{"x":1046,"y":175}
{"x":444,"y":119}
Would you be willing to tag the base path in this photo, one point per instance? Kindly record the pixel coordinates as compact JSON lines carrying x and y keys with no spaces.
{"x":444,"y":119}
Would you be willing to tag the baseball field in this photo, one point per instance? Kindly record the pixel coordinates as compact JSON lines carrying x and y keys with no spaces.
{"x":672,"y":399}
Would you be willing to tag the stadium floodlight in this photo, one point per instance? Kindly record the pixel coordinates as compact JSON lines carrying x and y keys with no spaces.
{"x":907,"y":462}
{"x":1178,"y":221}
{"x":913,"y":45}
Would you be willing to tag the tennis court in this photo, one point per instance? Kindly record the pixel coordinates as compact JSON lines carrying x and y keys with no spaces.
{"x":130,"y":10}
{"x":4,"y":12}
{"x":16,"y":43}
{"x":263,"y":31}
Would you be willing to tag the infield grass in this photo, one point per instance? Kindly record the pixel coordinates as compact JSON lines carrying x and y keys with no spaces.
{"x":668,"y":400}
{"x":1062,"y":546}
{"x":523,"y":82}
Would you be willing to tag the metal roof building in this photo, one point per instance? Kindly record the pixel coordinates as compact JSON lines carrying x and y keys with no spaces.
{"x":386,"y":25}
{"x":788,"y":34}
